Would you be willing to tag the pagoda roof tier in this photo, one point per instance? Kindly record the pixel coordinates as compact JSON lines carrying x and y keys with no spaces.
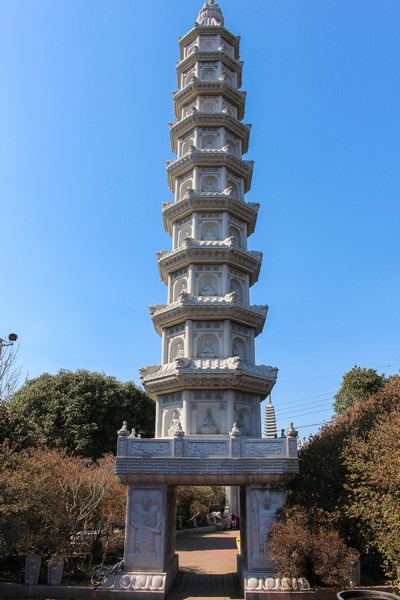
{"x":191,"y":35}
{"x":210,"y":158}
{"x":206,"y":56}
{"x":208,"y":308}
{"x":206,"y":252}
{"x":209,"y":373}
{"x":200,"y":119}
{"x":206,"y":202}
{"x":211,"y":88}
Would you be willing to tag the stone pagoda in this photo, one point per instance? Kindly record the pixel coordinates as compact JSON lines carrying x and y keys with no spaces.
{"x":208,"y":387}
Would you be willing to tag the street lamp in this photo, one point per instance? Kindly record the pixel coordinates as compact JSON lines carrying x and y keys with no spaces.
{"x":12,"y":337}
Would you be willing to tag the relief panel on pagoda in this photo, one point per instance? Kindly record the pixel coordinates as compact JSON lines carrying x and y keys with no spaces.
{"x":215,"y":104}
{"x":233,"y":146}
{"x":176,"y":348}
{"x":185,"y":144}
{"x":183,"y":229}
{"x":207,"y":339}
{"x":193,"y":47}
{"x":245,"y":409}
{"x":210,"y":104}
{"x":209,"y":71}
{"x":240,"y":348}
{"x":210,"y":180}
{"x":242,"y":342}
{"x":208,"y":417}
{"x":188,"y":77}
{"x":183,"y":185}
{"x":174,"y":343}
{"x":171,"y":421}
{"x":178,"y":284}
{"x":228,"y":76}
{"x":236,"y":235}
{"x":234,"y":186}
{"x":238,"y":284}
{"x":210,"y":227}
{"x":209,"y":139}
{"x":208,"y":281}
{"x":208,"y":43}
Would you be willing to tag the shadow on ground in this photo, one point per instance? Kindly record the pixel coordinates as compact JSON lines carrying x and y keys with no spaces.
{"x":207,"y":542}
{"x":189,"y":584}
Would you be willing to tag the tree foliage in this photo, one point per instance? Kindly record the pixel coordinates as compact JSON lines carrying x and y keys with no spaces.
{"x":357,"y":384}
{"x":79,"y":412}
{"x":349,"y":469}
{"x":373,"y":483}
{"x":47,"y":499}
{"x":196,"y":502}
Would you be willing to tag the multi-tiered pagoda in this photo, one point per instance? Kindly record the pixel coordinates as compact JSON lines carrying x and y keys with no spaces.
{"x":208,"y":378}
{"x":208,"y":387}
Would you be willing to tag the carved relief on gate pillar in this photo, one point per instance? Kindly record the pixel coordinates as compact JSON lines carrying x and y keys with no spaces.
{"x":145,"y":527}
{"x":262,"y":502}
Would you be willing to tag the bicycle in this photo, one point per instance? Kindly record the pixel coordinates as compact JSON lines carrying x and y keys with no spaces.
{"x":102,"y":572}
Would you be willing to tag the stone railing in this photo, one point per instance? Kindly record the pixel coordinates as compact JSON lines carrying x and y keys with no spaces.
{"x":196,"y":447}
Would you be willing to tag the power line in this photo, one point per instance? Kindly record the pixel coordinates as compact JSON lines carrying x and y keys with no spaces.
{"x":334,"y":374}
{"x":306,"y":405}
{"x":306,"y":398}
{"x":312,"y":425}
{"x":304,"y":414}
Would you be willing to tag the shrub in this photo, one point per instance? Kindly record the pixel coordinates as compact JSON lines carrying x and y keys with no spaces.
{"x":47,"y":499}
{"x":305,"y":544}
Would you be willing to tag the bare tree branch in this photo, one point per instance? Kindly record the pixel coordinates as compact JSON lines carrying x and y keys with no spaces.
{"x":10,"y":371}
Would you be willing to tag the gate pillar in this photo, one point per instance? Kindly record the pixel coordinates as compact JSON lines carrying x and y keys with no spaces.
{"x":259,"y":503}
{"x":150,"y":560}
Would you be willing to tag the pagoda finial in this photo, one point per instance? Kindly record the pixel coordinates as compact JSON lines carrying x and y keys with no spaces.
{"x":210,"y":15}
{"x":270,"y":431}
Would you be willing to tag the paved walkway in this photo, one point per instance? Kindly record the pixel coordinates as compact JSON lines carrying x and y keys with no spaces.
{"x":207,"y":567}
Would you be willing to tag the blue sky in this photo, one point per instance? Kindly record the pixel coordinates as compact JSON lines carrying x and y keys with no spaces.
{"x":85,"y":101}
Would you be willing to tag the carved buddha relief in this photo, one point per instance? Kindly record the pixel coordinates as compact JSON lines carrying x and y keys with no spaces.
{"x":176,"y":349}
{"x":236,"y":235}
{"x":209,"y":105}
{"x":210,"y":231}
{"x":243,"y":421}
{"x":208,"y":286}
{"x":207,"y":346}
{"x":186,"y":145}
{"x":208,"y":73}
{"x":209,"y":141}
{"x":239,"y":348}
{"x":188,"y":77}
{"x":208,"y":43}
{"x":236,"y":286}
{"x":184,"y":233}
{"x":207,"y":423}
{"x":234,"y":146}
{"x":188,"y":109}
{"x":209,"y":183}
{"x":234,"y":188}
{"x":185,"y":186}
{"x":179,"y":287}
